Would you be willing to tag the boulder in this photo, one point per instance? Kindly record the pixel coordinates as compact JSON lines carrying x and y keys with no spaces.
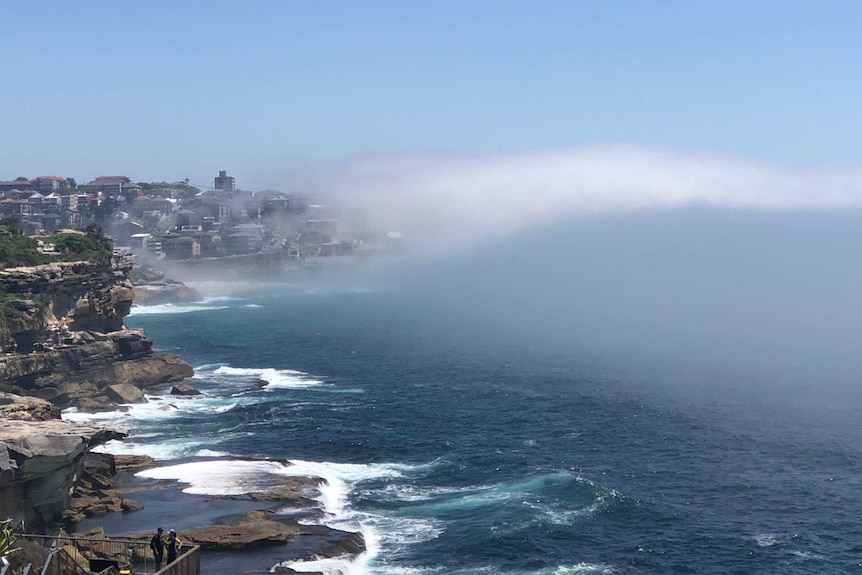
{"x":128,"y":505}
{"x":184,"y":389}
{"x":125,"y":393}
{"x":343,"y":543}
{"x":98,"y":404}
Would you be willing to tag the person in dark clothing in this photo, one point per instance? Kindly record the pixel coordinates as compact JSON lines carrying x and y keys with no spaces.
{"x":157,"y":544}
{"x":172,"y":544}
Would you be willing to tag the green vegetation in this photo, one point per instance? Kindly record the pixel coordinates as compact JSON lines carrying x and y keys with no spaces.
{"x":91,"y":246}
{"x":40,"y":299}
{"x":17,"y":250}
{"x":7,"y":539}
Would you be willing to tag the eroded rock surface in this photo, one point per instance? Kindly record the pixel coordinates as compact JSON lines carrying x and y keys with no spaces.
{"x":41,"y":458}
{"x":152,"y":287}
{"x":65,"y":341}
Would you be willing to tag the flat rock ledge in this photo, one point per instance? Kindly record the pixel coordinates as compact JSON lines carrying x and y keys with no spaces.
{"x":265,"y":528}
{"x":94,"y":496}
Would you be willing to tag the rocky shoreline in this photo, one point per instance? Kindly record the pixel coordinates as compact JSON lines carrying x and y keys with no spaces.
{"x":153,"y":287}
{"x":63,"y":344}
{"x":97,"y":494}
{"x":64,"y":340}
{"x":41,"y":457}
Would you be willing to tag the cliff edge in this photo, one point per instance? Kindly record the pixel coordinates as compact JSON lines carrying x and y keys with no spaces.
{"x":62,"y":336}
{"x":41,"y":458}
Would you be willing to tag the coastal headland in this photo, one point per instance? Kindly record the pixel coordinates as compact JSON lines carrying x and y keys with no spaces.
{"x":63,"y":343}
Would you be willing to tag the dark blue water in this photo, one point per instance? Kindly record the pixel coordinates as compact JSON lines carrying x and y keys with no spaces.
{"x":468,"y":450}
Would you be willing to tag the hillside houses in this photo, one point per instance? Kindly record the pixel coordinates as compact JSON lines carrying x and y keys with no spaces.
{"x":162,"y":220}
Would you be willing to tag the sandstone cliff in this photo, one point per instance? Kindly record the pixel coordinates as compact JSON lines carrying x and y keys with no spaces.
{"x":63,"y":342}
{"x":41,"y":458}
{"x":62,"y":337}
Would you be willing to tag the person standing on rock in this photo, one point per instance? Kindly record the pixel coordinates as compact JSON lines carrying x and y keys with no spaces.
{"x":157,"y":544}
{"x":173,"y":546}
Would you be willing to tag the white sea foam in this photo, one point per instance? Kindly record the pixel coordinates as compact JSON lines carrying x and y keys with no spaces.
{"x":159,"y":408}
{"x":147,"y":419}
{"x":807,"y":555}
{"x":552,"y":513}
{"x":211,"y":453}
{"x":409,"y":493}
{"x":225,"y":408}
{"x":766,"y":539}
{"x":339,"y":476}
{"x":334,"y":566}
{"x":276,"y":378}
{"x":584,"y":569}
{"x":208,"y":367}
{"x":394,"y":533}
{"x":527,"y":495}
{"x":169,"y":308}
{"x":379,"y":532}
{"x":222,"y":477}
{"x":234,"y":477}
{"x":161,"y":451}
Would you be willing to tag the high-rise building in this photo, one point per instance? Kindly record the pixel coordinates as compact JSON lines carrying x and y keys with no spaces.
{"x":225,"y":183}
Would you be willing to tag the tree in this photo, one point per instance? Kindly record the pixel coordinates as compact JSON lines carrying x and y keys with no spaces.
{"x":17,"y":249}
{"x":104,"y":210}
{"x":97,"y":233}
{"x":12,"y":226}
{"x":22,"y":179}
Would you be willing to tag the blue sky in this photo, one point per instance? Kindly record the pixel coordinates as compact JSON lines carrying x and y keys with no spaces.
{"x":167,"y":90}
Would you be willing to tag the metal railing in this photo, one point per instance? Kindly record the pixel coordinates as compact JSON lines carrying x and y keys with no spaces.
{"x":95,"y":555}
{"x":188,"y":563}
{"x":61,"y":562}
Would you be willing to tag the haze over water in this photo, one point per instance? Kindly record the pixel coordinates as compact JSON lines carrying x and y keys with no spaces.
{"x":636,"y":391}
{"x":464,"y":434}
{"x":624,"y":338}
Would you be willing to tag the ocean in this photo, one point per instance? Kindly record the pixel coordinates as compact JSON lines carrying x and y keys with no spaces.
{"x":457,"y":447}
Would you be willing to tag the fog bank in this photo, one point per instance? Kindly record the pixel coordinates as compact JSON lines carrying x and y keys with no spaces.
{"x":443,"y":203}
{"x":681,"y":256}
